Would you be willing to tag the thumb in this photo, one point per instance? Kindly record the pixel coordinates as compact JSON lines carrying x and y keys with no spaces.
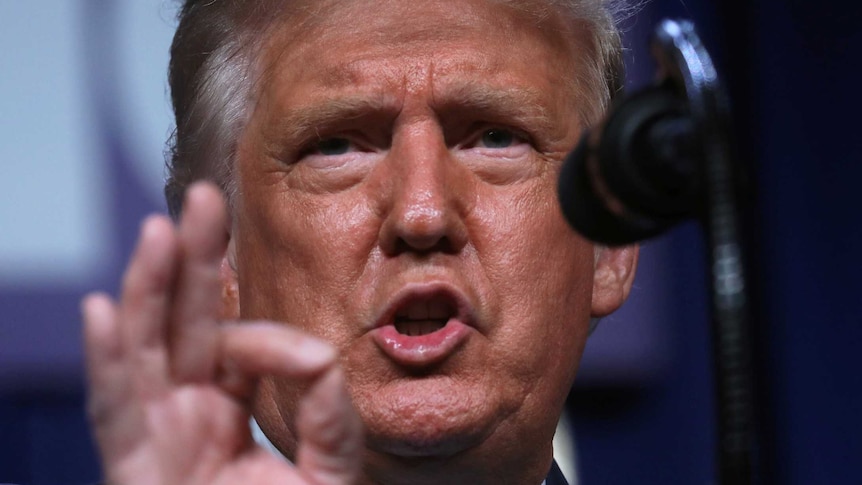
{"x":330,"y":433}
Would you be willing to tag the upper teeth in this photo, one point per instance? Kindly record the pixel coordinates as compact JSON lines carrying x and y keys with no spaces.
{"x":433,"y":309}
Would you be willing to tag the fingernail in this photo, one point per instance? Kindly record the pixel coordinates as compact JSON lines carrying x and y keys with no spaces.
{"x":90,"y":302}
{"x":86,"y":303}
{"x":147,"y":226}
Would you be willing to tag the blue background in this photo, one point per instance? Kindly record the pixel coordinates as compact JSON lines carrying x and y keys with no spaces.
{"x":642,"y":407}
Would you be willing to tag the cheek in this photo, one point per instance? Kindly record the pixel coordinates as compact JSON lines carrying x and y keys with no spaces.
{"x":541,"y":273}
{"x":299,"y":258}
{"x":526,"y":239}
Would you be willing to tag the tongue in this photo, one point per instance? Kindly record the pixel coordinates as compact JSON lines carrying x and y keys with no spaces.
{"x":414,"y":328}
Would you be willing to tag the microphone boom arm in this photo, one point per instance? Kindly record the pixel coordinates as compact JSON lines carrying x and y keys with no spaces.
{"x":683,"y":57}
{"x":661,"y":156}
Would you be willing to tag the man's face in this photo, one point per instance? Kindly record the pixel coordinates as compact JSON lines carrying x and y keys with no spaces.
{"x":397,"y":197}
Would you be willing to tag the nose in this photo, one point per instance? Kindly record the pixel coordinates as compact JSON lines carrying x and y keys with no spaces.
{"x":426,"y":196}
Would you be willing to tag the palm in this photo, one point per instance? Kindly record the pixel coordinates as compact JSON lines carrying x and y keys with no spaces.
{"x":187,"y":445}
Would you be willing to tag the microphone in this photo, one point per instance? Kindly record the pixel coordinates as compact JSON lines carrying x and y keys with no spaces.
{"x":637,"y":173}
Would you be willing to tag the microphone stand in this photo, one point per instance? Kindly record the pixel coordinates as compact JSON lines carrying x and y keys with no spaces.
{"x":663,"y":155}
{"x":684,"y":60}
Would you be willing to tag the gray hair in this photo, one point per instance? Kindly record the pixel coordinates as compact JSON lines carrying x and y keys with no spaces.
{"x":213,"y":71}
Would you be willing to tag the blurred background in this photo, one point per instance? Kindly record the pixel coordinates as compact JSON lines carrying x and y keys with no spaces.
{"x":84,"y":114}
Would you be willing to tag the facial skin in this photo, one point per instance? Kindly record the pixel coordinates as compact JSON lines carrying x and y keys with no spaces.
{"x":401,"y":152}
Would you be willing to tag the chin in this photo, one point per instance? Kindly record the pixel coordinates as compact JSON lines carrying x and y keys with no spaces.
{"x":427,"y":417}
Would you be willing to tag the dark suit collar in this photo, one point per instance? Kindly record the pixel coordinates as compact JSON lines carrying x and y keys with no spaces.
{"x":555,"y":476}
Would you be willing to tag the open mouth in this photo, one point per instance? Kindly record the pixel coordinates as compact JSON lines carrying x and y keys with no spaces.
{"x":424,"y":316}
{"x":423,"y":325}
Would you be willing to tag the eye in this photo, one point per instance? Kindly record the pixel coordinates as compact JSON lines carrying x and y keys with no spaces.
{"x":341,"y":151}
{"x":332,"y":146}
{"x":497,"y":138}
{"x":499,"y":142}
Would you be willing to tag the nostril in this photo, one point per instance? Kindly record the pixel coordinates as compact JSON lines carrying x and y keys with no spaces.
{"x":426,"y":245}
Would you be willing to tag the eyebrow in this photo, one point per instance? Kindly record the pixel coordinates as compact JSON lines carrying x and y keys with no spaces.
{"x":511,"y":105}
{"x":520,"y":101}
{"x":302,"y":120}
{"x":524,"y":106}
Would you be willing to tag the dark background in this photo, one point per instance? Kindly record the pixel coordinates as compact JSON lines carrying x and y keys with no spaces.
{"x":791,"y":68}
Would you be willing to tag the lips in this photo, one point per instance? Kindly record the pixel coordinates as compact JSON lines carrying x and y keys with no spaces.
{"x":423,"y":325}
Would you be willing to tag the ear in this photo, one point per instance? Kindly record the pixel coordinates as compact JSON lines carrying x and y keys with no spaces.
{"x":229,"y":283}
{"x":613,"y":277}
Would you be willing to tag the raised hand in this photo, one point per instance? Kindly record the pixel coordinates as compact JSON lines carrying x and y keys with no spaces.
{"x":171,"y":386}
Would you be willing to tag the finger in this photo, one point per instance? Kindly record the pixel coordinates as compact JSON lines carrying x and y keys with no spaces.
{"x":254,"y":349}
{"x":109,"y":404}
{"x":146,"y":299}
{"x":330,"y":433}
{"x":203,"y":239}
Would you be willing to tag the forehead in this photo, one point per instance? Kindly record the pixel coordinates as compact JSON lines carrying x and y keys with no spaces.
{"x":428,"y":19}
{"x":338,"y":43}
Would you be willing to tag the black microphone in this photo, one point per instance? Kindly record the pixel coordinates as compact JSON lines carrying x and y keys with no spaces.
{"x":636,"y":173}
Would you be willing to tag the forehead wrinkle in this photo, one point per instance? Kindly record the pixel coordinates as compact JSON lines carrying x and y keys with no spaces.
{"x":394,"y":75}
